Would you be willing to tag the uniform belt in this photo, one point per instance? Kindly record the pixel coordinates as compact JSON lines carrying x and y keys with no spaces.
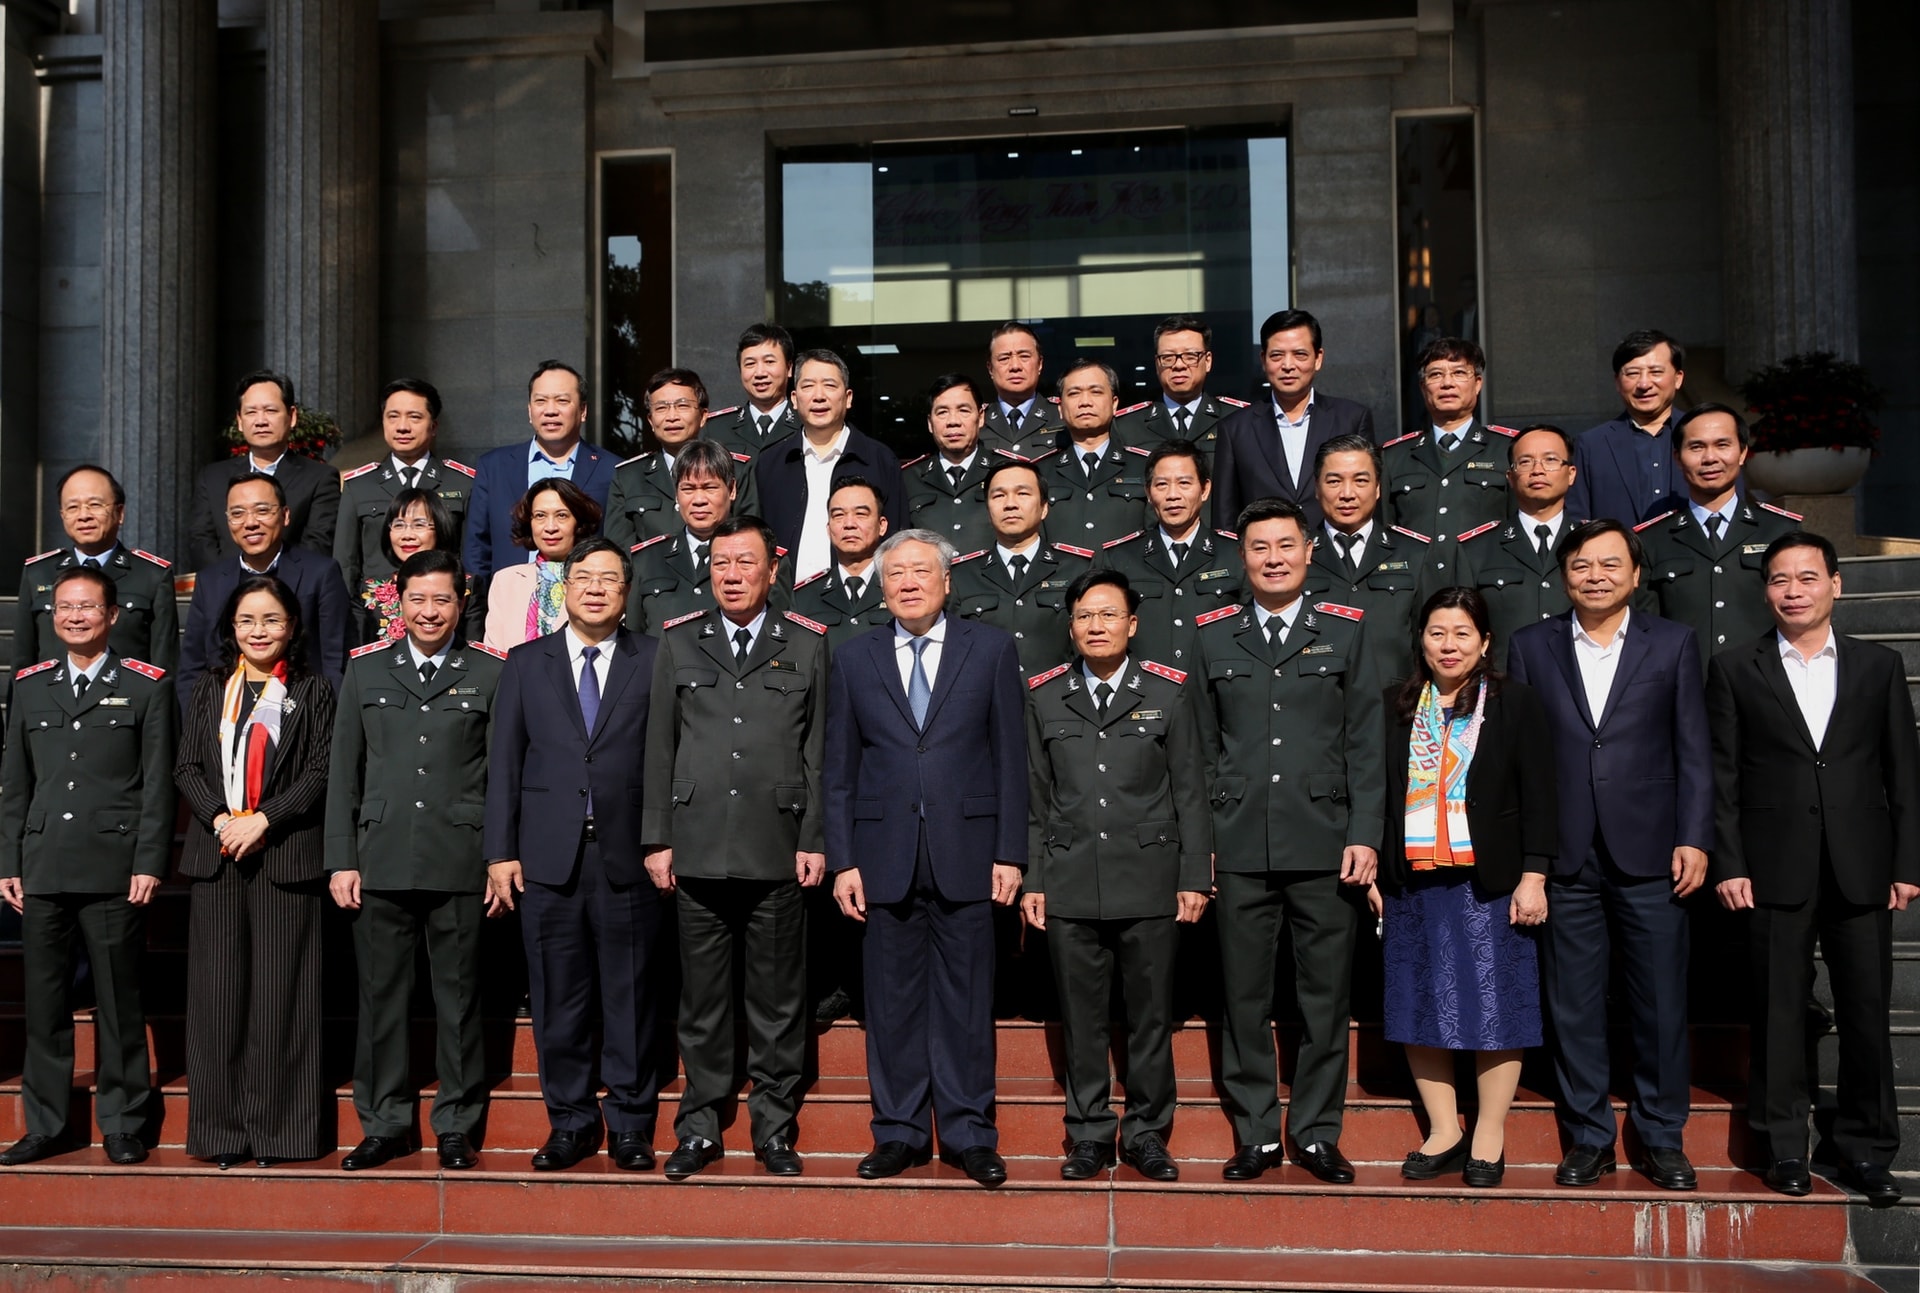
{"x":587,"y":831}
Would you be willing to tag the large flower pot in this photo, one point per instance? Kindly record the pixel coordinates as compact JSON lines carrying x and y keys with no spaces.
{"x":1808,"y":471}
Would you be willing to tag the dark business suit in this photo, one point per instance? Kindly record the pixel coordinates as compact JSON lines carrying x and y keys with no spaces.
{"x":1624,"y":473}
{"x":925,"y":813}
{"x":254,"y":1078}
{"x":331,"y":626}
{"x":589,"y":914}
{"x":500,"y":481}
{"x":313,"y":497}
{"x":1248,"y":464}
{"x":1633,"y":787}
{"x":1823,"y":832}
{"x":781,"y":476}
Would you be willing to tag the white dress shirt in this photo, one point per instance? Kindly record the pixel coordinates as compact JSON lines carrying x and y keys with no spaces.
{"x":1362,"y":537}
{"x":816,"y":550}
{"x":929,"y":658}
{"x":1701,"y":514}
{"x":400,"y":469}
{"x":1094,"y":681}
{"x":102,"y":559}
{"x":1815,"y":681}
{"x":1080,"y":452}
{"x":1598,"y":663}
{"x":1286,"y":617}
{"x":1293,"y":435}
{"x":91,"y":673}
{"x":1016,"y":413}
{"x":752,"y":627}
{"x":600,"y":664}
{"x":1006,"y":554}
{"x":265,"y":468}
{"x":438,"y":661}
{"x":1529,"y":525}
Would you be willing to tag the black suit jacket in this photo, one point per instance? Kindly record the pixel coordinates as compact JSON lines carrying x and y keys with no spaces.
{"x":1513,"y":809}
{"x":332,"y":628}
{"x":781,"y":474}
{"x":1778,"y":797}
{"x":1246,"y":462}
{"x":313,"y":496}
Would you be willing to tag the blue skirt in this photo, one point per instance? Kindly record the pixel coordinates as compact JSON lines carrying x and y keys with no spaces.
{"x":1459,"y":977}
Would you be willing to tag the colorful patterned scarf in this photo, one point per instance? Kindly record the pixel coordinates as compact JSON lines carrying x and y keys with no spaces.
{"x":1439,"y":753}
{"x":548,"y":609}
{"x":243,"y":763}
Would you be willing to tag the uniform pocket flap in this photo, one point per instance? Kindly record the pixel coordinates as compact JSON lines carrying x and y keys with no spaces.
{"x":696,"y":677}
{"x":975,"y":605}
{"x":1327,"y":785}
{"x":1310,"y":663}
{"x":1229,"y":789}
{"x":1059,"y":835}
{"x":382,"y":698}
{"x":868,"y":810}
{"x":467,"y":814}
{"x":979,"y":805}
{"x":1673,"y":568}
{"x":784,"y":680}
{"x":1150,"y":587}
{"x":1158,"y":833}
{"x":372,"y":810}
{"x":1061,"y":729}
{"x":682,"y":791}
{"x":790,"y":799}
{"x":114,"y":821}
{"x":1217,"y":669}
{"x":36,"y":819}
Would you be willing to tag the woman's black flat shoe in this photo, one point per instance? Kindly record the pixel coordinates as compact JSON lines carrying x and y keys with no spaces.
{"x":1483,"y":1175}
{"x":1427,"y":1167}
{"x":224,"y":1161}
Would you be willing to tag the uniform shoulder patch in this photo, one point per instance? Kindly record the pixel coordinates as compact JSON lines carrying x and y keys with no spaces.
{"x":1141,"y":450}
{"x":460,"y":467}
{"x":1344,"y":612}
{"x":628,"y":462}
{"x":161,"y":562}
{"x":1228,"y":534}
{"x":1239,"y":404}
{"x":1781,"y":511}
{"x":806,"y":623}
{"x":1411,"y":435}
{"x":779,"y":551}
{"x":1411,"y":534}
{"x":32,"y":669}
{"x":1211,"y":616}
{"x":368,"y":649}
{"x":1053,"y":399}
{"x":1016,"y":457}
{"x":720,"y":413}
{"x":1651,"y":522}
{"x":1114,"y":543}
{"x":1132,"y":408}
{"x":358,"y":472}
{"x":40,"y":556}
{"x":144,"y":669}
{"x":1078,"y":552}
{"x":1509,"y":432}
{"x":681,"y":619}
{"x":1168,"y":672}
{"x":1034,"y":683}
{"x":813,"y":578}
{"x":970,"y":556}
{"x":484,"y":649}
{"x":915,"y":462}
{"x":647,"y":543}
{"x":1478,"y":529}
{"x":741,"y":457}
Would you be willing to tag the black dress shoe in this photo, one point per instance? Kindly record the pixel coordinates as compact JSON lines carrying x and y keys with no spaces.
{"x":33,"y":1147}
{"x":375,"y":1151}
{"x":1584,"y":1165}
{"x":1668,"y":1168}
{"x":1250,"y":1164}
{"x":779,"y":1157}
{"x":1790,"y":1176}
{"x":984,"y":1165}
{"x":225,"y":1161}
{"x":1086,"y":1160}
{"x":124,"y":1148}
{"x":1325,"y":1161}
{"x":1482,"y":1175}
{"x":694,"y":1153}
{"x":1872,"y":1180}
{"x":632,"y":1151}
{"x":563,"y":1149}
{"x":456,"y":1152}
{"x":1429,"y":1167}
{"x":1148,"y":1156}
{"x":267,"y":1160}
{"x":890,"y":1158}
{"x":835,"y":1005}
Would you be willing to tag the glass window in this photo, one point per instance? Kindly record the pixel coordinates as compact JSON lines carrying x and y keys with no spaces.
{"x":637,"y":289}
{"x":1438,"y":222}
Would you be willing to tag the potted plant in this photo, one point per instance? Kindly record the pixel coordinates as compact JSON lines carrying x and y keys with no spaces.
{"x":316,"y":434}
{"x":1813,"y":432}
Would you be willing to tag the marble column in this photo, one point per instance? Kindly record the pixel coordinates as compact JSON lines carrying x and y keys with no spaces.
{"x":323,"y":189}
{"x":159,"y":416}
{"x":1791,"y":282}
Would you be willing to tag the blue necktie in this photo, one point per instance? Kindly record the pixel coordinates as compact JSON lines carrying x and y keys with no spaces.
{"x":919,"y":694}
{"x":589,"y":687}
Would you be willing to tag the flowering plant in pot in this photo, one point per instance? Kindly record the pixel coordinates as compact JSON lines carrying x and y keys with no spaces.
{"x":315,"y":434}
{"x":1813,"y":430}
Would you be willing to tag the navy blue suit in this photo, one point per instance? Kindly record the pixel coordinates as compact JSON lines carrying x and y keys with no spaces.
{"x":317,"y":585}
{"x":780,"y":473}
{"x":1246,"y":456}
{"x":589,"y":914}
{"x":1633,"y":787}
{"x":1625,"y":474}
{"x":500,"y":481}
{"x":924,"y":813}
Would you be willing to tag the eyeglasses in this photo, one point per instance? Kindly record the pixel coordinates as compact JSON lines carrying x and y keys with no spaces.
{"x":86,"y":507}
{"x":1433,"y":375}
{"x":676,"y":406}
{"x":77,"y":608}
{"x":248,"y":623}
{"x":264,"y":511}
{"x":1098,"y":617}
{"x":403,"y":523}
{"x":1185,"y":358}
{"x":1548,"y":463}
{"x":585,"y":581}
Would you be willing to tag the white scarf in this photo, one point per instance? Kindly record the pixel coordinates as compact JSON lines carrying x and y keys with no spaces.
{"x":268,"y":711}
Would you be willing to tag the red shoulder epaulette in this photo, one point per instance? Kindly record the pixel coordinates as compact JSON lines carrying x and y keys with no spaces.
{"x":779,"y":551}
{"x":647,"y":543}
{"x":1053,"y":399}
{"x":815,"y":577}
{"x":493,"y":651}
{"x":970,"y":556}
{"x":681,"y":619}
{"x":1211,"y":616}
{"x":1239,"y":404}
{"x":357,"y":472}
{"x":628,"y":461}
{"x":1654,"y":521}
{"x":1008,"y":453}
{"x":1344,"y":612}
{"x":368,"y":649}
{"x":460,"y":467}
{"x":144,"y":669}
{"x":1508,"y":432}
{"x":1411,"y":534}
{"x":806,"y":623}
{"x":1144,"y":453}
{"x":1033,"y":683}
{"x":1078,"y":552}
{"x":915,"y":462}
{"x":161,"y":562}
{"x":741,"y":457}
{"x":1791,"y":516}
{"x":39,"y":556}
{"x":1478,"y":529}
{"x":32,"y":669}
{"x":1132,"y":408}
{"x":720,"y":413}
{"x":1397,"y":439}
{"x":1165,"y":671}
{"x":1228,"y":534}
{"x":1114,"y":543}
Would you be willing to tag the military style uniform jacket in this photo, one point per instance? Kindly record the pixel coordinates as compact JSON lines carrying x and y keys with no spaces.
{"x":1118,"y":807}
{"x":735,"y":429}
{"x":86,"y":786}
{"x":733,"y":777}
{"x":1040,"y":432}
{"x":959,"y":515}
{"x":1501,"y":559}
{"x":1432,"y":493}
{"x":1292,"y":737}
{"x":1174,"y":594}
{"x":1388,"y":586}
{"x":365,"y":495}
{"x":1716,"y":589}
{"x":1033,"y":609}
{"x":823,"y":598}
{"x":1090,"y":508}
{"x":641,"y":503}
{"x":407,"y":793}
{"x":1149,"y":422}
{"x":149,"y":623}
{"x":665,"y":586}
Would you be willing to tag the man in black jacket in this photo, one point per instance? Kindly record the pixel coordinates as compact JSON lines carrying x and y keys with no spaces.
{"x":267,"y":414}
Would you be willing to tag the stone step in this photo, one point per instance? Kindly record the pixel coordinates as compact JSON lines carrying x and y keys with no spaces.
{"x":1906,"y":977}
{"x":1878,"y":613}
{"x":1880,"y":574}
{"x":1907,"y":644}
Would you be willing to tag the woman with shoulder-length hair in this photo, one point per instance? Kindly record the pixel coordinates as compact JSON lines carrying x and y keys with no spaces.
{"x":1472,"y":825}
{"x":529,"y":600}
{"x":252,"y":765}
{"x":417,"y":521}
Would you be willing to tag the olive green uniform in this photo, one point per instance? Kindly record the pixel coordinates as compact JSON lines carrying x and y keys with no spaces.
{"x":825,"y":599}
{"x":1503,"y":560}
{"x":1039,"y":433}
{"x":149,"y":623}
{"x":1433,"y":492}
{"x":1033,"y":607}
{"x":1151,"y":422}
{"x":1716,"y":588}
{"x":667,"y":582}
{"x":1090,"y":507}
{"x":738,"y":430}
{"x":1175,"y":589}
{"x":1385,"y":580}
{"x":641,"y":502}
{"x":367,"y":493}
{"x":956,"y":511}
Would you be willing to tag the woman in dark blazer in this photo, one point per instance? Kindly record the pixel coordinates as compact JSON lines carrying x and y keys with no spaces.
{"x":1472,"y":823}
{"x":252,"y":766}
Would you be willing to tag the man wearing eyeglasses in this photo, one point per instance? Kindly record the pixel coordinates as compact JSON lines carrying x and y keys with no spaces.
{"x":93,"y":506}
{"x":409,"y":423}
{"x":1451,"y":476}
{"x":1182,"y":360}
{"x":640,"y":503}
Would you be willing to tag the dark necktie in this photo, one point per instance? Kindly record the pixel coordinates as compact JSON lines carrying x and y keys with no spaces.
{"x":1180,"y":554}
{"x":412,"y":476}
{"x":953,"y":476}
{"x":1715,"y":524}
{"x":1013,"y":418}
{"x":1101,"y":696}
{"x":1346,"y":543}
{"x":1090,"y":460}
{"x":80,"y":684}
{"x":763,"y":423}
{"x":1018,"y":565}
{"x":699,"y":560}
{"x":427,"y":669}
{"x":855,"y":586}
{"x":1543,"y":536}
{"x":1449,"y":442}
{"x":589,"y":687}
{"x":93,"y":563}
{"x":742,"y":639}
{"x":1276,"y":631}
{"x":1183,"y":419}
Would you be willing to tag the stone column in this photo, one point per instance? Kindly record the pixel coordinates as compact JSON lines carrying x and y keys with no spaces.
{"x":160,"y":418}
{"x":323,"y":188}
{"x":1787,"y":197}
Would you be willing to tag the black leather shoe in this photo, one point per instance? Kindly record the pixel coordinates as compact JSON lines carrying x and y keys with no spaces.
{"x":1790,"y":1176}
{"x":1482,"y":1175}
{"x":1086,"y":1160}
{"x":1872,"y":1180}
{"x":124,"y":1148}
{"x":835,"y":1005}
{"x":984,"y":1165}
{"x":1584,"y":1165}
{"x":890,"y":1158}
{"x":267,"y":1160}
{"x":632,"y":1151}
{"x":779,"y":1157}
{"x":33,"y":1147}
{"x":375,"y":1151}
{"x":225,"y":1161}
{"x":1429,"y":1167}
{"x":1250,"y":1164}
{"x":1668,"y":1168}
{"x":456,"y":1152}
{"x":1148,"y":1156}
{"x":1325,"y":1161}
{"x":693,"y":1154}
{"x":563,"y":1149}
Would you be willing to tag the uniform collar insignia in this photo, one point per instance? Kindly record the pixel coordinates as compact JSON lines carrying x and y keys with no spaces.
{"x":1512,"y":532}
{"x":60,"y":674}
{"x":778,"y":633}
{"x":1311,"y":622}
{"x":400,"y":654}
{"x":458,"y":662}
{"x":386,"y":473}
{"x":1073,"y":681}
{"x":707,"y":630}
{"x":111,"y":675}
{"x":1746,"y":513}
{"x":1133,"y":683}
{"x":1246,"y":621}
{"x":1478,"y":437}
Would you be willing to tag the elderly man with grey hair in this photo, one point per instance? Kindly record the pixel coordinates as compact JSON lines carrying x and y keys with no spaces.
{"x":926,"y":810}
